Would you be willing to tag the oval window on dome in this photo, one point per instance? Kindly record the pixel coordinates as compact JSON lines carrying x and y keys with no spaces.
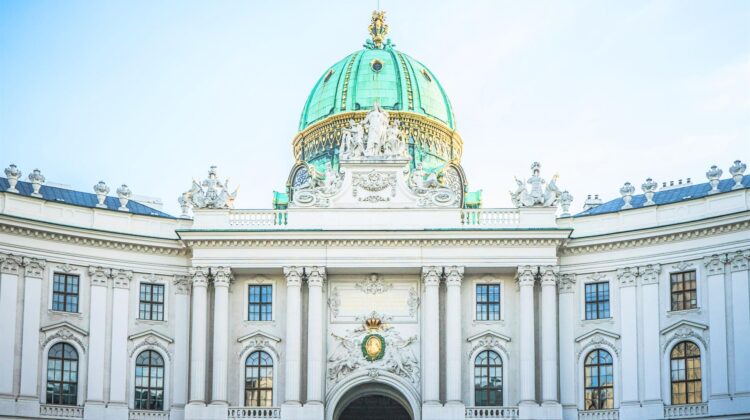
{"x":426,"y":75}
{"x":376,"y":65}
{"x":328,"y":76}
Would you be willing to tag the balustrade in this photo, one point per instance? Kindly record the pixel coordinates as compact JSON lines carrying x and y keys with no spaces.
{"x":61,"y":411}
{"x":254,"y":413}
{"x":685,"y":411}
{"x":491,"y":412}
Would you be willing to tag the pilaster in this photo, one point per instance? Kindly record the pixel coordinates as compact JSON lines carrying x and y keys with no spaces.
{"x":627,"y":278}
{"x":181,"y":321}
{"x":526,"y":278}
{"x":99,"y":278}
{"x":119,"y":357}
{"x":316,"y":277}
{"x":10,"y":267}
{"x":453,"y":378}
{"x":222,"y":276}
{"x":199,"y":280}
{"x":567,"y":313}
{"x":738,"y":266}
{"x":32,"y":304}
{"x":293,"y":334}
{"x":549,"y":335}
{"x":431,"y":334}
{"x":648,"y":276}
{"x":715,"y":272}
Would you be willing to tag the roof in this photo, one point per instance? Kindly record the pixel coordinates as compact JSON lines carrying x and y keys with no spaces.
{"x":384,"y":75}
{"x":83,"y":199}
{"x":669,"y":196}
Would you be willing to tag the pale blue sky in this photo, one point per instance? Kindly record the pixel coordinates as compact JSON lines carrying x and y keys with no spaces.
{"x":152,"y":93}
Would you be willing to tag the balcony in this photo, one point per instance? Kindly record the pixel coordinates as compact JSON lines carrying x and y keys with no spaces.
{"x":61,"y":411}
{"x":254,"y":413}
{"x":491,"y":413}
{"x":147,"y":415}
{"x":685,"y":411}
{"x":599,"y":414}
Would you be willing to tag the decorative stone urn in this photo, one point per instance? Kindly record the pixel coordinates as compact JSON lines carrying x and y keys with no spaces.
{"x":101,"y":189}
{"x":124,"y":194}
{"x":37,"y":179}
{"x":12,"y":173}
{"x":627,"y":191}
{"x":649,"y":188}
{"x":713,"y":175}
{"x":566,"y":199}
{"x":738,"y":171}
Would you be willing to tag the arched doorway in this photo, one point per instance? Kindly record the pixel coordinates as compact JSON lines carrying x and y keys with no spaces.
{"x":374,"y":407}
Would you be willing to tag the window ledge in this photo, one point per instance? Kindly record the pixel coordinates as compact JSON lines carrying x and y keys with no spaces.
{"x":53,"y":312}
{"x":483,"y":322}
{"x":684,"y":312}
{"x":269,"y":322}
{"x":151,"y":321}
{"x":609,"y":320}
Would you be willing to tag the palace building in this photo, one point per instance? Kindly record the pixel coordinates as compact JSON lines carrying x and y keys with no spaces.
{"x":378,"y":286}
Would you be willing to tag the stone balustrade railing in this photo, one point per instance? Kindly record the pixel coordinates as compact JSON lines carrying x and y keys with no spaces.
{"x":599,"y":415}
{"x":254,"y":413}
{"x":61,"y":411}
{"x":490,"y":217}
{"x":258,"y":219}
{"x":147,"y":415}
{"x":491,"y":413}
{"x":685,"y":411}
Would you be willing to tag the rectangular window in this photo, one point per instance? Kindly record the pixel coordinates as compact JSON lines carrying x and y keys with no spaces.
{"x":488,"y":302}
{"x":597,"y":300}
{"x":683,"y":286}
{"x":259,"y":302}
{"x":151,"y":306}
{"x":65,"y":293}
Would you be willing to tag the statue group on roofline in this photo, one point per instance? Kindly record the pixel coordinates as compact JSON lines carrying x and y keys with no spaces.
{"x":375,"y":137}
{"x":318,"y":187}
{"x":540,"y":192}
{"x":210,"y":194}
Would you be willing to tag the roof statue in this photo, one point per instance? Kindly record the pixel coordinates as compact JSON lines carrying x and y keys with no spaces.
{"x":378,"y":28}
{"x":539,"y":194}
{"x":210,"y":194}
{"x":384,"y":139}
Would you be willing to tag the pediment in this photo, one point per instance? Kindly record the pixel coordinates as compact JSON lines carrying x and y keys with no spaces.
{"x":259,"y":335}
{"x":595,"y":332}
{"x":151,"y":333}
{"x":488,"y":334}
{"x":684,"y":323}
{"x":64,"y":324}
{"x":64,"y":331}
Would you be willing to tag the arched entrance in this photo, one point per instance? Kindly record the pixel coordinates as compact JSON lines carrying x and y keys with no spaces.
{"x":374,"y":407}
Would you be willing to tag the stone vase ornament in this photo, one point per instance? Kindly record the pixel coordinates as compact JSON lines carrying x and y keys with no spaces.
{"x":713,"y":175}
{"x":101,"y":189}
{"x":124,"y":194}
{"x":565,"y":200}
{"x":627,"y":191}
{"x":738,"y":171}
{"x":12,"y":173}
{"x":649,"y":188}
{"x":37,"y":179}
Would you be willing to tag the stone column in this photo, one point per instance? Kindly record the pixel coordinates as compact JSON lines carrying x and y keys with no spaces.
{"x":181,"y":341}
{"x":453,"y":377}
{"x":738,"y":265}
{"x":119,"y":356}
{"x":293,"y":334}
{"x":316,"y":277}
{"x":222,"y":277}
{"x":629,"y":359}
{"x":9,"y":269}
{"x":32,"y":308}
{"x":526,"y":275}
{"x":649,"y":278}
{"x":717,"y":319}
{"x":431,"y":334}
{"x":549,"y":334}
{"x":567,"y":316}
{"x":198,"y":337}
{"x":98,"y":279}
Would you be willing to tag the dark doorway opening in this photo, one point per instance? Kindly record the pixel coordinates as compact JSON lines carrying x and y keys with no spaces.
{"x":374,"y":407}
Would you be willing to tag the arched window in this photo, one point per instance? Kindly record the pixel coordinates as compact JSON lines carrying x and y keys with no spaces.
{"x":149,"y":381}
{"x":598,"y":381}
{"x":62,"y":375}
{"x":258,"y":380}
{"x":488,"y":379}
{"x":685,"y":362}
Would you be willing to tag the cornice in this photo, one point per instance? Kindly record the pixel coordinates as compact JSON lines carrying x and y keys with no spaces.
{"x":368,"y":243}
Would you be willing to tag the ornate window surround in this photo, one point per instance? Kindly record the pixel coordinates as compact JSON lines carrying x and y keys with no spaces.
{"x":152,"y":279}
{"x":488,"y":340}
{"x":700,"y":284}
{"x":76,"y":338}
{"x":150,"y":340}
{"x":258,"y":341}
{"x":676,"y":333}
{"x":257,"y":280}
{"x":487,"y":279}
{"x":592,"y":340}
{"x":84,"y":283}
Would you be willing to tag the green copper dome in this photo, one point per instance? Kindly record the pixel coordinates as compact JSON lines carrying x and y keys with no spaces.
{"x":384,"y":75}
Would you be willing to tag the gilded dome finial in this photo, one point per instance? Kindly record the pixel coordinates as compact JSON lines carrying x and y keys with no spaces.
{"x":378,"y":28}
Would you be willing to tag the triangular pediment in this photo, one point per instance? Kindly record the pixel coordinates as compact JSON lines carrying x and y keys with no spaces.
{"x":257,"y":334}
{"x":597,"y":331}
{"x":64,"y":324}
{"x":151,"y":333}
{"x":684,"y":323}
{"x":488,"y":333}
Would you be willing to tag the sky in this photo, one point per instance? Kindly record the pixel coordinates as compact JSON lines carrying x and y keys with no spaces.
{"x":152,"y":93}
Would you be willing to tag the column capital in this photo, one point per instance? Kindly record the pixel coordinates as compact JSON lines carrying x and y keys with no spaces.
{"x":626,"y":276}
{"x":454,"y":275}
{"x":222,"y":276}
{"x":526,"y":275}
{"x":738,"y":261}
{"x":431,"y":275}
{"x":567,"y":283}
{"x":293,"y":276}
{"x":181,"y":285}
{"x":199,"y":276}
{"x":715,"y":264}
{"x":649,"y":274}
{"x":34,"y":267}
{"x":316,"y":276}
{"x":10,"y":264}
{"x":121,"y":278}
{"x":99,"y":275}
{"x":549,"y":275}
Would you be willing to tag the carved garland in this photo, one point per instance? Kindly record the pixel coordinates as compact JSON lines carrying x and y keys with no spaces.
{"x":684,"y":333}
{"x":148,"y":343}
{"x":488,"y":342}
{"x":598,"y":342}
{"x":64,"y":334}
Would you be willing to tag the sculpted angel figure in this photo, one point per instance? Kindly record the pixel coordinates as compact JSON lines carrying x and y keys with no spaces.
{"x":344,"y":359}
{"x":400,"y":360}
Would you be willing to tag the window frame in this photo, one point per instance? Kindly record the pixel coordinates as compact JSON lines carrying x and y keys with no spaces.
{"x":244,"y":388}
{"x":148,"y":377}
{"x":599,"y":387}
{"x":487,"y":366}
{"x":65,"y":293}
{"x":487,"y":280}
{"x":152,"y":303}
{"x":598,"y":303}
{"x":685,"y":381}
{"x":47,"y":380}
{"x":671,"y":294}
{"x":260,"y":303}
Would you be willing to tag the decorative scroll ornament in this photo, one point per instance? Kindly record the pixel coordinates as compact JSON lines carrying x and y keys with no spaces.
{"x":210,"y":194}
{"x":539,"y":194}
{"x":384,"y":140}
{"x":317,"y":189}
{"x":435,"y":189}
{"x":373,"y":284}
{"x":374,"y":186}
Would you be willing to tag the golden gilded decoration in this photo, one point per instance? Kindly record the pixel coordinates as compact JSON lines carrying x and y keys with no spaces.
{"x":378,"y":28}
{"x":409,"y":93}
{"x":373,"y":323}
{"x":373,"y":346}
{"x":346,"y":80}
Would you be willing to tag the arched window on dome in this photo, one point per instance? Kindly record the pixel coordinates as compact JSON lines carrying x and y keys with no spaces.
{"x":258,"y":380}
{"x":488,"y":379}
{"x":149,"y":381}
{"x":62,"y":375}
{"x":685,"y":365}
{"x":598,"y":381}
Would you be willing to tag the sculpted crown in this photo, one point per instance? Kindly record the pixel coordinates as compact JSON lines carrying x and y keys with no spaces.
{"x":373,"y":323}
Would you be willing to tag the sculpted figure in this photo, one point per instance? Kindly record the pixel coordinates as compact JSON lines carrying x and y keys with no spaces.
{"x":417,"y":177}
{"x":377,"y":126}
{"x":352,"y":141}
{"x":552,"y":193}
{"x":394,"y":144}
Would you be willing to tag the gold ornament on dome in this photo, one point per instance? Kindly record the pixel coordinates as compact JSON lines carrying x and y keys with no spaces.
{"x":378,"y":28}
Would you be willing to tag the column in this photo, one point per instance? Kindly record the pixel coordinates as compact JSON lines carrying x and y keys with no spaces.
{"x":293,"y":331}
{"x":526,"y":276}
{"x":99,"y":279}
{"x":181,"y":341}
{"x":738,"y":265}
{"x":717,"y":320}
{"x":198,"y":336}
{"x":316,"y":277}
{"x":431,"y":334}
{"x":119,"y":357}
{"x":549,"y":334}
{"x":222,"y":278}
{"x":453,"y":342}
{"x":32,"y":306}
{"x":9,"y":268}
{"x":629,"y":359}
{"x":567,"y":316}
{"x":649,"y":277}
